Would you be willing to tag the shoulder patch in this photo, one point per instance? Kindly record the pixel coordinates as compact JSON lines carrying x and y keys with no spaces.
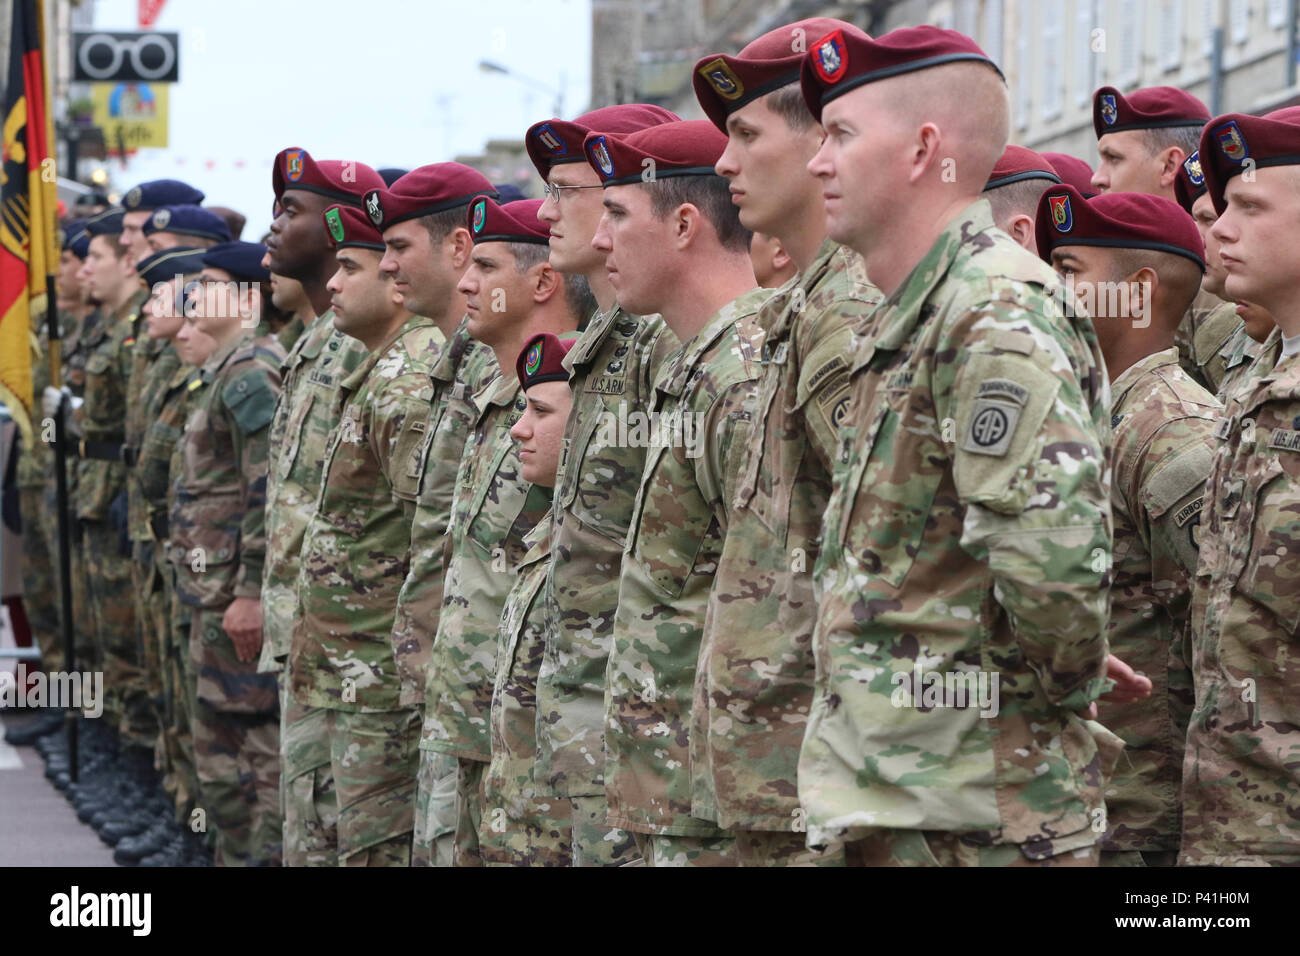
{"x":1284,"y":439}
{"x":1176,"y":480}
{"x":1009,"y":341}
{"x":251,"y":400}
{"x":992,"y":426}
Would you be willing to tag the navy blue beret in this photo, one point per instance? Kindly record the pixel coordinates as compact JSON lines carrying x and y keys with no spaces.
{"x":106,"y":223}
{"x":243,"y":260}
{"x":161,"y":192}
{"x":188,"y":221}
{"x":74,"y":238}
{"x":170,"y":262}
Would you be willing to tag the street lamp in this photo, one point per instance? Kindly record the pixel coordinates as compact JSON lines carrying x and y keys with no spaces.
{"x":487,"y":66}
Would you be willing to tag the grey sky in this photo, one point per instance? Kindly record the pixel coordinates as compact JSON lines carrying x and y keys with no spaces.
{"x":385,"y":82}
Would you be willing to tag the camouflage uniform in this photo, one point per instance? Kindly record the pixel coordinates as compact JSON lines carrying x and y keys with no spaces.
{"x":101,"y":508}
{"x":1162,"y":423}
{"x":1208,"y":324}
{"x":40,"y":532}
{"x":304,"y":419}
{"x":968,"y":531}
{"x":682,"y":511}
{"x":218,"y":543}
{"x":614,"y":365}
{"x":153,"y":361}
{"x":462,"y":368}
{"x":1248,"y":361}
{"x":1241,"y":785}
{"x":493,"y":509}
{"x":754,"y":683}
{"x":355,"y":555}
{"x":154,"y":471}
{"x":75,"y":354}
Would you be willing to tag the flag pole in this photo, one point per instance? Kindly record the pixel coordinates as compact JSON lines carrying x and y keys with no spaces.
{"x":61,"y":506}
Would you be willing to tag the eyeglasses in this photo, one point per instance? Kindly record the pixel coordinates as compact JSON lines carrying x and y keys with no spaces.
{"x":554,"y":191}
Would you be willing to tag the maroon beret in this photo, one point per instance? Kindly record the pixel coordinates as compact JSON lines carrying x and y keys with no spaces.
{"x":684,"y":148}
{"x":542,"y":360}
{"x":344,"y":181}
{"x":1229,"y":140}
{"x":847,"y":58}
{"x":425,"y":191}
{"x":1018,"y":164}
{"x":1074,"y":171}
{"x":1116,"y":221}
{"x":349,"y":226}
{"x":1190,"y":184}
{"x":557,"y":141}
{"x":512,"y":222}
{"x":723,"y":84}
{"x":1155,"y":107}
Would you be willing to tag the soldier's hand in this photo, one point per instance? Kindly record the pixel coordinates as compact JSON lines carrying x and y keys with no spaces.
{"x":51,"y":397}
{"x":243,"y":622}
{"x":1129,"y":686}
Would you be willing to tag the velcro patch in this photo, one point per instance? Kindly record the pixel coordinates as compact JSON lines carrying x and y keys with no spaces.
{"x":1003,"y":388}
{"x":992,"y":426}
{"x":1284,"y":439}
{"x":1009,"y":341}
{"x":1188,"y":511}
{"x":834,"y":405}
{"x":1223,"y":428}
{"x":605,"y":385}
{"x":820,"y":376}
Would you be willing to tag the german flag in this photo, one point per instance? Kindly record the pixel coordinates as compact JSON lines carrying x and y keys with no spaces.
{"x":28,"y":207}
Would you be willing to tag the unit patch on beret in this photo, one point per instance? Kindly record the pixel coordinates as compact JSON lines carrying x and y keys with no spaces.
{"x":1231,"y":141}
{"x":293,"y":165}
{"x":1109,"y":110}
{"x":1062,"y":215}
{"x":335,"y":223}
{"x":161,"y":218}
{"x":831,"y":58}
{"x":373,"y":208}
{"x":723,"y":79}
{"x":132,"y":198}
{"x":552,"y":142}
{"x":480,"y":213}
{"x":601,"y":154}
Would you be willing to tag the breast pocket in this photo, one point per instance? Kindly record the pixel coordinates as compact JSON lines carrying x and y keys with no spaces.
{"x":1271,"y":575}
{"x":497,"y":504}
{"x":669,"y":529}
{"x":600,"y":478}
{"x":97,"y":393}
{"x":293,"y":436}
{"x":890,"y":494}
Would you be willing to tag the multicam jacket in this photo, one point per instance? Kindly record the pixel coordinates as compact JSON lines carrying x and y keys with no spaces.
{"x":1241,"y":775}
{"x":355,"y":552}
{"x":698,"y":437}
{"x":967,"y":540}
{"x":1163,"y":424}
{"x":754,"y":685}
{"x":613,"y":368}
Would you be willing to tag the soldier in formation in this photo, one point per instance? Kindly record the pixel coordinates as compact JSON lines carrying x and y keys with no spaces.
{"x":825,"y":482}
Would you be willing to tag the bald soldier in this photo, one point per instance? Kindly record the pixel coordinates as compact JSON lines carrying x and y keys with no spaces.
{"x":1135,"y":262}
{"x":674,"y":245}
{"x":427,"y":244}
{"x":614,"y":366}
{"x":1016,"y":184}
{"x":305,"y":417}
{"x":355,"y":552}
{"x":1241,"y":789}
{"x":754,"y":683}
{"x":946,"y":575}
{"x":512,"y":293}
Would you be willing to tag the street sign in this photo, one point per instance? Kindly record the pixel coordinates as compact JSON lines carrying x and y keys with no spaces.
{"x":124,"y":57}
{"x":131,"y":114}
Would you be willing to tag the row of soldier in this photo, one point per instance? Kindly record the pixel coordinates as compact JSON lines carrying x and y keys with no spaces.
{"x":540,"y":536}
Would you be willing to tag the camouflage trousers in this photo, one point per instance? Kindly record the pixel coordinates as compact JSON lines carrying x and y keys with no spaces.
{"x":372,"y":761}
{"x":311,"y":806}
{"x":946,"y":848}
{"x":237,"y":756}
{"x":435,"y":810}
{"x":1138,"y":858}
{"x":117,"y":635}
{"x":471,"y":799}
{"x":553,"y":831}
{"x":151,"y":613}
{"x":181,"y":778}
{"x":658,"y":850}
{"x":83,"y":619}
{"x":41,"y":577}
{"x":765,"y":848}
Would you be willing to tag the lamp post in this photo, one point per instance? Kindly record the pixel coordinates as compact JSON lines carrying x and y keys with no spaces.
{"x":488,"y":66}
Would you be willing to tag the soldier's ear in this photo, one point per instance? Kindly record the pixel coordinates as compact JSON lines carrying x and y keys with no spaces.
{"x":459,"y":244}
{"x":1171,"y":160}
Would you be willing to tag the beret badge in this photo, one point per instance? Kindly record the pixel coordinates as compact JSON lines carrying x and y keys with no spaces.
{"x":1062,"y":215}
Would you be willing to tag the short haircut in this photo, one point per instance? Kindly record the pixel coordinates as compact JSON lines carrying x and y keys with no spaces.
{"x":114,"y":240}
{"x":1186,"y":138}
{"x":1017,"y":199}
{"x":1180,"y":277}
{"x":578,"y":297}
{"x":711,"y":195}
{"x":440,"y":224}
{"x":789,"y":104}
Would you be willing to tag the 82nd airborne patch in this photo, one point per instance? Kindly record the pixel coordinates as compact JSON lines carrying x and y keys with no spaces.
{"x":719,"y":75}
